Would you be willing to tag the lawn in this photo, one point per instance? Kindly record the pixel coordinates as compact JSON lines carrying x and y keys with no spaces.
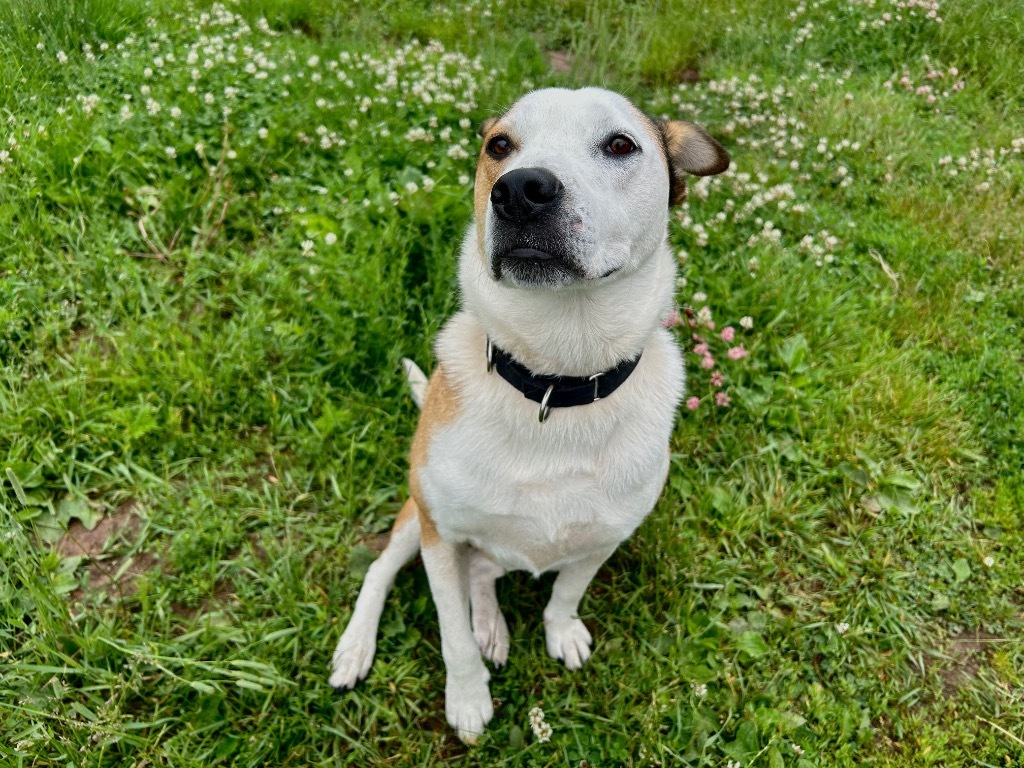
{"x":222,"y":226}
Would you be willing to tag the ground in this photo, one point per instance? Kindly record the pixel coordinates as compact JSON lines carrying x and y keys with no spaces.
{"x":222,"y":226}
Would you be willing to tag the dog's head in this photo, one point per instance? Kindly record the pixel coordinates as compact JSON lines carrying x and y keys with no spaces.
{"x":575,"y":186}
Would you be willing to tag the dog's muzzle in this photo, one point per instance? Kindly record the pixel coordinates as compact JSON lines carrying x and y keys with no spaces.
{"x":530,"y":243}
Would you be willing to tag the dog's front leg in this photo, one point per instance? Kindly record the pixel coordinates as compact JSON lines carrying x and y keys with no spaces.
{"x":566,"y":635}
{"x":467,"y":703}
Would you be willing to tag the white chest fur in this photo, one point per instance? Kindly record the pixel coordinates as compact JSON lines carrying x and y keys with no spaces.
{"x":537,"y":496}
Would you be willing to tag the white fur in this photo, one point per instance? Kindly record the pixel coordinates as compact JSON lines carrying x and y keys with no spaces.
{"x":505,"y":491}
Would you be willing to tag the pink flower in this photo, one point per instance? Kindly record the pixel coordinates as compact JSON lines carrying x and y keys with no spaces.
{"x":672,"y":320}
{"x":737,"y":353}
{"x":717,"y":379}
{"x":692,"y":403}
{"x":728,"y":333}
{"x":701,"y":349}
{"x":698,"y":338}
{"x":707,"y":363}
{"x":722,"y":399}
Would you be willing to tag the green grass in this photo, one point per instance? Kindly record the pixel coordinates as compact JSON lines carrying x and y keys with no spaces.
{"x":169,"y":345}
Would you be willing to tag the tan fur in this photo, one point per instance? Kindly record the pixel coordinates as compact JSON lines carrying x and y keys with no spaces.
{"x":407,"y":513}
{"x":441,"y":407}
{"x":485,"y":126}
{"x":488,"y":171}
{"x":691,"y":149}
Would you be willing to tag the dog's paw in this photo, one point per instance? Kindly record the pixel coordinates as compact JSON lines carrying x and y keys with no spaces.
{"x":468,"y":707}
{"x":491,"y":633}
{"x":567,"y":639}
{"x":352,"y":660}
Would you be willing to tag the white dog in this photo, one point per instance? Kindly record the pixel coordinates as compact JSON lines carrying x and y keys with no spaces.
{"x":543,"y":441}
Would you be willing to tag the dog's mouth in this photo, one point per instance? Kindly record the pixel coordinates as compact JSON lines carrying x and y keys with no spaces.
{"x":527,"y":265}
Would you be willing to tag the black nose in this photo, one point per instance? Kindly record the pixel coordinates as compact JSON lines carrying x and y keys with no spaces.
{"x":525,"y":193}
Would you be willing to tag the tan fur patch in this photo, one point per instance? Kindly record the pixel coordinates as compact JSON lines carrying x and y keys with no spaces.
{"x":485,"y":126}
{"x":693,"y":149}
{"x":440,"y":408}
{"x":407,"y":513}
{"x":488,"y":171}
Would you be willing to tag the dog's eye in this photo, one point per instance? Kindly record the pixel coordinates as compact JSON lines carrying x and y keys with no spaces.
{"x":620,"y":145}
{"x":499,"y":146}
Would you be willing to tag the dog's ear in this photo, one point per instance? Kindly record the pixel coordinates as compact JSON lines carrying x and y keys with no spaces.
{"x":486,"y":126}
{"x":690,"y":149}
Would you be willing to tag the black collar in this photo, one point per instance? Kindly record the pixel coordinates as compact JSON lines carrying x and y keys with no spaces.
{"x":558,"y":391}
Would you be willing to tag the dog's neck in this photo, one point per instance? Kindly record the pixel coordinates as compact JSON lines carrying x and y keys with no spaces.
{"x":578,"y":330}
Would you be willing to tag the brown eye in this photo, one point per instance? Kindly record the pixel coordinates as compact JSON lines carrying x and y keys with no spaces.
{"x":620,"y":145}
{"x":499,"y":146}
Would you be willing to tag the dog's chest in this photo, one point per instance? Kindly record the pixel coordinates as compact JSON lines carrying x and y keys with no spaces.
{"x":540,"y":496}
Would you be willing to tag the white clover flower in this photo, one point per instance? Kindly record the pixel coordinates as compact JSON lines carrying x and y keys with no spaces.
{"x":428,"y":184}
{"x":175,"y":113}
{"x":171,"y":152}
{"x":541,"y":729}
{"x":463,"y":179}
{"x":313,"y":61}
{"x":330,"y":238}
{"x":62,"y":57}
{"x":307,"y":247}
{"x":746,"y":323}
{"x":208,"y":98}
{"x":412,"y":187}
{"x":700,"y":690}
{"x":842,"y":628}
{"x":40,"y":46}
{"x":126,"y":113}
{"x":700,"y":297}
{"x":89,"y":102}
{"x":263,"y":133}
{"x":153,"y":107}
{"x":989,"y":561}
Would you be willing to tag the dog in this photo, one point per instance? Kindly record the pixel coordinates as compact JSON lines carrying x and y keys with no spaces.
{"x":543,"y":438}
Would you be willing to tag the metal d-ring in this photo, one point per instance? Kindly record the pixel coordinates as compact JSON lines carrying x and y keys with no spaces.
{"x":490,"y":355}
{"x":545,"y":409}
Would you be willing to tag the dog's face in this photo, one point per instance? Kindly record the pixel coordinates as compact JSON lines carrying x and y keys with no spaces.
{"x":574,"y":186}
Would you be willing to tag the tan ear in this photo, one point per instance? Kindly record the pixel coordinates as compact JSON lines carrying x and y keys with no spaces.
{"x":484,"y":127}
{"x":690,"y":149}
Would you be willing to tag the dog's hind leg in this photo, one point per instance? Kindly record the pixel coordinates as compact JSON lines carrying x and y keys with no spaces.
{"x":354,"y":653}
{"x":489,"y":627}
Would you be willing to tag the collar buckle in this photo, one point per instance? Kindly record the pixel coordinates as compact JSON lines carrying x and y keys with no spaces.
{"x":596,"y":378}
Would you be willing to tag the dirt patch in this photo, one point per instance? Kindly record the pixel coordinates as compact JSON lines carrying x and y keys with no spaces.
{"x":375,"y":542}
{"x":113,"y":574}
{"x":79,"y":541}
{"x":560,"y":61}
{"x":969,"y":654}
